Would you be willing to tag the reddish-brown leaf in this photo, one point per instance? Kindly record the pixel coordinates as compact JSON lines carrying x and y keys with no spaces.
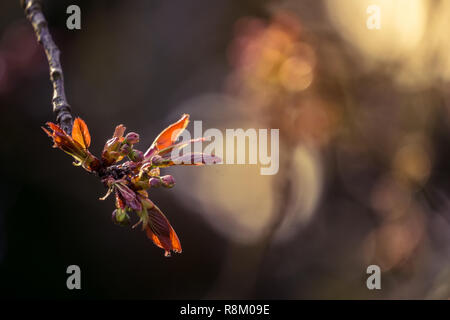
{"x":80,"y":133}
{"x":170,"y":134}
{"x":119,"y":131}
{"x":181,"y":145}
{"x":161,"y":232}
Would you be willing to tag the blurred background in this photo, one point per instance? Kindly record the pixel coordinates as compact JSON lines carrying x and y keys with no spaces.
{"x":364,"y":119}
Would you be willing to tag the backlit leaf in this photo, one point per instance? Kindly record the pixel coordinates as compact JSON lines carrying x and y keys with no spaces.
{"x":80,"y":133}
{"x":169,"y":135}
{"x":161,"y":232}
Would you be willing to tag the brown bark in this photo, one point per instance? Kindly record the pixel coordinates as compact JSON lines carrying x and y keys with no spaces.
{"x":61,"y":108}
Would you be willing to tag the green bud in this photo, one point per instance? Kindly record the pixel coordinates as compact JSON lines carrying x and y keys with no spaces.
{"x":120,"y":217}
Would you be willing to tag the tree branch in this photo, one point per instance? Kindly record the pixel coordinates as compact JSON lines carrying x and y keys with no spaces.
{"x":61,"y":108}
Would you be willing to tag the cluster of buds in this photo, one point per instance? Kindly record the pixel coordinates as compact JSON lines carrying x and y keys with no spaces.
{"x":119,"y":147}
{"x":130,"y":179}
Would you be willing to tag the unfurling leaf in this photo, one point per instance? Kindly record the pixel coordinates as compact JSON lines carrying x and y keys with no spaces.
{"x":169,"y":135}
{"x":177,"y":147}
{"x":190,"y":159}
{"x":161,"y":232}
{"x":119,"y":131}
{"x":80,"y":133}
{"x":72,"y":147}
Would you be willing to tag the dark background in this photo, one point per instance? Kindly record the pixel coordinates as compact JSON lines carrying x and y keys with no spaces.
{"x":136,"y":63}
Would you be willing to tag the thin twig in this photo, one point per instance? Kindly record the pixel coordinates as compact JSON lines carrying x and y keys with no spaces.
{"x":61,"y":108}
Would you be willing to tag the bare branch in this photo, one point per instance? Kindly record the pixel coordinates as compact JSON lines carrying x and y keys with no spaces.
{"x":61,"y":108}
